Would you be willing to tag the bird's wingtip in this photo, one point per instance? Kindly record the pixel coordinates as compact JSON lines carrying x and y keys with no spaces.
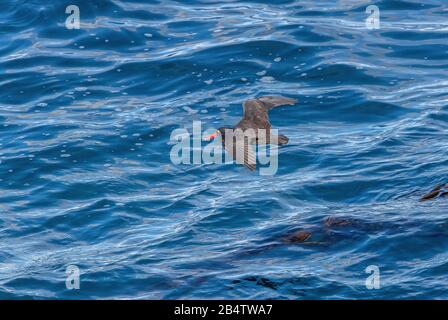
{"x":275,"y":101}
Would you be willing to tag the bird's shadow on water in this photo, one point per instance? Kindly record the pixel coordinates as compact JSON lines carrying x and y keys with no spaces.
{"x":323,"y":234}
{"x":317,"y":236}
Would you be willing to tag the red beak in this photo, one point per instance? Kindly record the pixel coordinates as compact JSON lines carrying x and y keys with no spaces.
{"x":212,"y":136}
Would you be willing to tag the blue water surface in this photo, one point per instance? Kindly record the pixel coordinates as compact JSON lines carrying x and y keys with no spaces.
{"x":86,"y":177}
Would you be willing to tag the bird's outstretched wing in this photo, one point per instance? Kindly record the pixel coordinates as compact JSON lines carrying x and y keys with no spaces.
{"x":275,"y":101}
{"x":440,"y":190}
{"x":242,"y":151}
{"x":256,"y":110}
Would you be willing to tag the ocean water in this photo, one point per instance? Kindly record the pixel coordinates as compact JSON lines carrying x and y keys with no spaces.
{"x":86,"y":177}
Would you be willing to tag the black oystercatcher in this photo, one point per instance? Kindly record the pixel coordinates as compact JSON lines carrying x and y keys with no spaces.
{"x":247,"y":132}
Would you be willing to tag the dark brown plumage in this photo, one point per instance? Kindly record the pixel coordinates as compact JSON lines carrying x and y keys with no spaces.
{"x":247,"y":132}
{"x":439,"y":191}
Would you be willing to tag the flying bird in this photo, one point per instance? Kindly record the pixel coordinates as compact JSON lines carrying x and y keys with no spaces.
{"x":247,"y":132}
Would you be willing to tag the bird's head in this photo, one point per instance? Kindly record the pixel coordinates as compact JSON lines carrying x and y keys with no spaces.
{"x":221,"y":131}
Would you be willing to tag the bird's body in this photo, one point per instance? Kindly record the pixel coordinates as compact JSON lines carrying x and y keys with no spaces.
{"x":253,"y":129}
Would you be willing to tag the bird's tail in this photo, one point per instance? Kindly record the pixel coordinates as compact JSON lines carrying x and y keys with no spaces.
{"x":281,"y":139}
